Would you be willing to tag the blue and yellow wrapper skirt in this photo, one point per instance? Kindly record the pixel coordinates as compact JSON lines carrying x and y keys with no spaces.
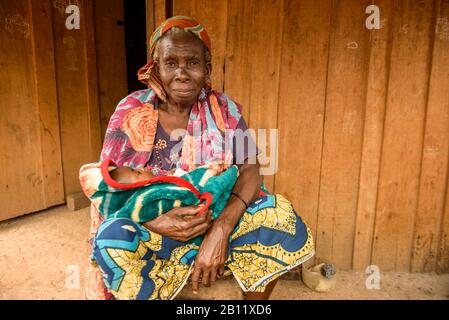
{"x":269,"y":240}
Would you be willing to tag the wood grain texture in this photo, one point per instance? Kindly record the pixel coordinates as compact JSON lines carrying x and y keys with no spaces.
{"x":46,"y":98}
{"x":443,"y":248}
{"x":90,"y":64}
{"x":343,"y":127}
{"x":378,"y":73}
{"x":150,"y":14}
{"x":264,"y":59}
{"x":77,"y":93}
{"x":111,"y":59}
{"x":434,"y":168}
{"x":237,"y":71}
{"x":302,"y":90}
{"x":31,"y":173}
{"x":155,"y":15}
{"x":403,"y":135}
{"x":159,"y":12}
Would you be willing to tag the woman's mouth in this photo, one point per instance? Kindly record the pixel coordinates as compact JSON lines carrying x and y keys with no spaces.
{"x":183,"y":92}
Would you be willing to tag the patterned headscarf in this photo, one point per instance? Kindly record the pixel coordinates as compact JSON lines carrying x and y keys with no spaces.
{"x":146,"y":74}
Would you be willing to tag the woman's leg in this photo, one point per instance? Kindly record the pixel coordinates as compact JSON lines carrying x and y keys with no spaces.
{"x":137,"y":263}
{"x":270,"y":238}
{"x":261,"y":295}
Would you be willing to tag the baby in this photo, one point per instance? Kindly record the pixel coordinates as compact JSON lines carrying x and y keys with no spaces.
{"x":128,"y":175}
{"x":144,"y":201}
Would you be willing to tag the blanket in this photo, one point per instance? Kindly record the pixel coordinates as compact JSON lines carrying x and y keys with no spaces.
{"x":146,"y":200}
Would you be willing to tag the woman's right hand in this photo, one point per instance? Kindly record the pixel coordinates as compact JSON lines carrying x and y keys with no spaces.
{"x":181,"y":223}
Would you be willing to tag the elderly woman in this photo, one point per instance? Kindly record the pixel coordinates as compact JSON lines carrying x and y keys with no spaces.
{"x":258,"y":236}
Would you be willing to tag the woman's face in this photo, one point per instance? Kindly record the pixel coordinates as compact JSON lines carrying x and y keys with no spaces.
{"x":182,"y":67}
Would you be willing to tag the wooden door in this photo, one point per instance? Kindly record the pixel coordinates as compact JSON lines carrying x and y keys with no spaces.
{"x":31,"y":170}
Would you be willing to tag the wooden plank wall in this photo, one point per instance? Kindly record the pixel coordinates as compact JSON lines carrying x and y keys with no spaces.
{"x":91,"y":80}
{"x":363,"y":117}
{"x":77,"y":91}
{"x":58,"y":90}
{"x":30,"y":157}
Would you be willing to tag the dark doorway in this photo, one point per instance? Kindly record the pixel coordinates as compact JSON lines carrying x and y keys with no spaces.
{"x":135,"y":41}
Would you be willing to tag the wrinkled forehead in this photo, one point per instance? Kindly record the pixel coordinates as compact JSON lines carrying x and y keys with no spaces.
{"x":181,"y":44}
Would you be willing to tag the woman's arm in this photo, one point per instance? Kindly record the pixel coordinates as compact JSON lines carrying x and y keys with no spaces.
{"x":212,"y":255}
{"x":247,"y":187}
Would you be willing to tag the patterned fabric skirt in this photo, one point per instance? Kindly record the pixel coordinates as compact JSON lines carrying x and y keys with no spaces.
{"x":269,"y":240}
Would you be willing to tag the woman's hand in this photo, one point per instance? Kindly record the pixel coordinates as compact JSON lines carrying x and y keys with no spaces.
{"x":211,"y":257}
{"x":181,"y":223}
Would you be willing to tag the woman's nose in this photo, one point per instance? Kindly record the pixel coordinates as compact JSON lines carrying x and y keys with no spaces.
{"x":182,"y":74}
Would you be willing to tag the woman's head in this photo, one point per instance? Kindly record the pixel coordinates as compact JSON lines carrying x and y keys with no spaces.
{"x":183,"y":64}
{"x":180,"y":62}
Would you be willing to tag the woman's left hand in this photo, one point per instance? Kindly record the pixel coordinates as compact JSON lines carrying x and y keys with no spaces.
{"x":211,"y":257}
{"x":213,"y":252}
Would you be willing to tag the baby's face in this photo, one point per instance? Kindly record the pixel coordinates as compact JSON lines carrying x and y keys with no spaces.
{"x":131,"y":176}
{"x":143,"y":175}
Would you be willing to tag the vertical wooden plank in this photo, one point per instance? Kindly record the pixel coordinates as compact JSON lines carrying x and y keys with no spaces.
{"x":378,"y":72}
{"x":214,"y":19}
{"x":403,"y":136}
{"x":301,"y":104}
{"x":46,"y":98}
{"x":155,"y":15}
{"x":183,"y":8}
{"x":434,"y":175}
{"x":111,"y":60}
{"x":159,"y":12}
{"x":77,"y":92}
{"x":19,"y":129}
{"x":90,"y":64}
{"x":150,"y":9}
{"x":442,"y":265}
{"x":264,"y":56}
{"x":237,"y":71}
{"x":343,"y":130}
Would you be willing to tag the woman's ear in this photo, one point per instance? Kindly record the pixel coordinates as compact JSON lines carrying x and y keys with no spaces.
{"x":208,"y":70}
{"x":156,"y":67}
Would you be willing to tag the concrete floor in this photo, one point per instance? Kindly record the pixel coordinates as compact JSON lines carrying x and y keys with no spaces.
{"x":44,"y":256}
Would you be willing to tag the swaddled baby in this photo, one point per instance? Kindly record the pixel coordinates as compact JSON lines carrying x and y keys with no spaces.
{"x":140,"y":200}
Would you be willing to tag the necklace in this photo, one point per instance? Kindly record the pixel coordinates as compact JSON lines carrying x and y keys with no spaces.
{"x":160,"y":145}
{"x":158,"y":169}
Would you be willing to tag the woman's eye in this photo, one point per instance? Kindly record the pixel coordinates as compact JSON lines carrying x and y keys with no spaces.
{"x":194,"y":63}
{"x":170,"y":64}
